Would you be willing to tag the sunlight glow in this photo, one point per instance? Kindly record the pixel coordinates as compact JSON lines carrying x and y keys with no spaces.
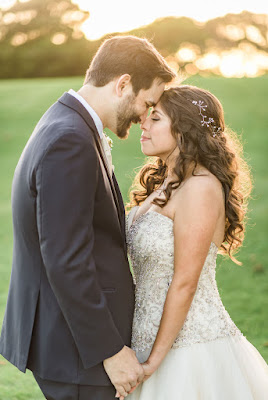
{"x":186,"y":54}
{"x":209,"y":61}
{"x":59,"y":38}
{"x":121,"y":16}
{"x":20,"y":17}
{"x":231,"y":32}
{"x":254,"y":35}
{"x":19,"y":39}
{"x":5,"y":4}
{"x":244,"y":59}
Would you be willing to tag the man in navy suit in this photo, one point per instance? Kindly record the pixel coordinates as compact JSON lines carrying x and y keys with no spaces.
{"x":71,"y":297}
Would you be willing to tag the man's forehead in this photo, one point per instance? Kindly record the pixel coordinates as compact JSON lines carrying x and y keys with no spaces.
{"x":151,"y":96}
{"x":148,"y":97}
{"x":154,"y":95}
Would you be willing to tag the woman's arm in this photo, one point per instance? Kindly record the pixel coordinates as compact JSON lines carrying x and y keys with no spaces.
{"x":196,"y":216}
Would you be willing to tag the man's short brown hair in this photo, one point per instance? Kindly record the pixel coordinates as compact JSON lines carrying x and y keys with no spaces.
{"x":128,"y":55}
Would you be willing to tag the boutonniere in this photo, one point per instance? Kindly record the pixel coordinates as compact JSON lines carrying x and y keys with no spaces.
{"x":109,"y":141}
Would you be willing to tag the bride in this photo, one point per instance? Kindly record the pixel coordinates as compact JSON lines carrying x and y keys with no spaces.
{"x":190,"y":205}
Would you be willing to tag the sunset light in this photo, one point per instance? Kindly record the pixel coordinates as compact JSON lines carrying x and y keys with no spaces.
{"x":119,"y":16}
{"x":246,"y":57}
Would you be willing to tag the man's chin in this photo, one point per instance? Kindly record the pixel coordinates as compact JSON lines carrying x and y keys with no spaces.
{"x":123,"y":133}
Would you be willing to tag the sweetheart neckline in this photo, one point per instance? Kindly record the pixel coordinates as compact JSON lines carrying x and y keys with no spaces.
{"x":147,"y":212}
{"x":162,"y":215}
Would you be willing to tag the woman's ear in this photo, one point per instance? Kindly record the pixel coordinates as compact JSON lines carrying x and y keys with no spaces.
{"x":179,"y":139}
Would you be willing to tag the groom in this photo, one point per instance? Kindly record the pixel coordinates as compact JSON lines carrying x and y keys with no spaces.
{"x":70,"y":303}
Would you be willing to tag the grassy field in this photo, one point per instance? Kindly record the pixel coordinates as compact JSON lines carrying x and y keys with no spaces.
{"x":244,"y":289}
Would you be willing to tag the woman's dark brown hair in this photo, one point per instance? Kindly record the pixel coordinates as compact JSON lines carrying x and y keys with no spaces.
{"x":210,"y":145}
{"x":128,"y":55}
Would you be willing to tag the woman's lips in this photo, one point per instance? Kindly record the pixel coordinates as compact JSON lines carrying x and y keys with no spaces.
{"x":144,"y":139}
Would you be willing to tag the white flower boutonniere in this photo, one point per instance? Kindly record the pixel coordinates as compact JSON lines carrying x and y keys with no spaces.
{"x":109,"y":141}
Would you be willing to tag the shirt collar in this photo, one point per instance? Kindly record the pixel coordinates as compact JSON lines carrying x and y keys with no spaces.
{"x":93,"y":113}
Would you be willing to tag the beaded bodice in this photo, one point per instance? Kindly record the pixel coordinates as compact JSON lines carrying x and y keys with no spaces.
{"x":151,"y":250}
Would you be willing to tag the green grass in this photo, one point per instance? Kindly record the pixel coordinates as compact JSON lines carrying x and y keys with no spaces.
{"x":244,"y":289}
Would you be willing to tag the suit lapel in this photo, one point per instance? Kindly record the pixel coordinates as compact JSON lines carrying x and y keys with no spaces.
{"x":122,"y":209}
{"x":71,"y":102}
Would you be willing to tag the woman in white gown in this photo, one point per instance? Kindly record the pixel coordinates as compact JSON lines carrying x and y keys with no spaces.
{"x":190,"y":204}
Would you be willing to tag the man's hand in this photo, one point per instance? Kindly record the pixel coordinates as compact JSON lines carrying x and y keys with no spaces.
{"x":149,"y":368}
{"x":124,"y":370}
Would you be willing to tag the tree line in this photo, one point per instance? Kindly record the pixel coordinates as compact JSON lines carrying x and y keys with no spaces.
{"x":41,"y":38}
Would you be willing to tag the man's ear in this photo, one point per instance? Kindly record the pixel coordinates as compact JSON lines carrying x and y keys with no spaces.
{"x":123,"y":84}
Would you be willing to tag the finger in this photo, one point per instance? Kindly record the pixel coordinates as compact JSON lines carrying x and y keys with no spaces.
{"x":146,"y":377}
{"x":134,"y":388}
{"x":127,"y":387}
{"x":121,"y":391}
{"x":119,"y":397}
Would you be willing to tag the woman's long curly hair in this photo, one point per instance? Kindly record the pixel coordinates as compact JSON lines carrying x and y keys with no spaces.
{"x":209,"y":145}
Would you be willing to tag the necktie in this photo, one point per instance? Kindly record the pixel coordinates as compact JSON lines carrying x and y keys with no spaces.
{"x":107,"y":152}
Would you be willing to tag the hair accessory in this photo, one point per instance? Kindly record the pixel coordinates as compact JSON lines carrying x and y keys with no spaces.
{"x":204,"y":122}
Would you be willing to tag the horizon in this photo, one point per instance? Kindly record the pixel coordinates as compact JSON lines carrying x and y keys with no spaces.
{"x":141,"y":14}
{"x":247,"y":57}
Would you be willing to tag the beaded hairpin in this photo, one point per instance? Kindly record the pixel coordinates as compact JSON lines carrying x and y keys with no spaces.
{"x":204,"y":122}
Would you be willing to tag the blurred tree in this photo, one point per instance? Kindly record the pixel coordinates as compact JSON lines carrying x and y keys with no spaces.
{"x":54,"y":20}
{"x":168,"y":33}
{"x":43,"y":38}
{"x":239,"y":28}
{"x":232,"y":45}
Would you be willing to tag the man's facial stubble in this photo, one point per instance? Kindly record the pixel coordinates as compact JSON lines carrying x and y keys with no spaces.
{"x":126,"y":115}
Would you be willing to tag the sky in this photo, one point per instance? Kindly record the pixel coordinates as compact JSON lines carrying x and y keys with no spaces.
{"x":108,"y":16}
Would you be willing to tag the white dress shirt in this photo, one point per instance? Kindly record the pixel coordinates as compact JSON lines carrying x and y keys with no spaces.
{"x":94,"y":115}
{"x":99,"y":126}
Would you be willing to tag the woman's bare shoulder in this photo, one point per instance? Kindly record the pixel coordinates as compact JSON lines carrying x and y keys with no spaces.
{"x":201,"y":183}
{"x":198,"y":189}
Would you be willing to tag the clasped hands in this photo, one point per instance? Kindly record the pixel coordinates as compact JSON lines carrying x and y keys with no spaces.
{"x":125,"y":372}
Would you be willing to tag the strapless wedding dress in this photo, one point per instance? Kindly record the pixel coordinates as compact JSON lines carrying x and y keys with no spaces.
{"x":210,"y":358}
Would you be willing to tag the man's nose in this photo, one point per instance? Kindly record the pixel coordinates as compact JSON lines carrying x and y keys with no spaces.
{"x":143,"y":117}
{"x":144,"y":124}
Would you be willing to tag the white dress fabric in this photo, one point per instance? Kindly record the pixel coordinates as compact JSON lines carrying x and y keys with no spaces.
{"x":210,"y":358}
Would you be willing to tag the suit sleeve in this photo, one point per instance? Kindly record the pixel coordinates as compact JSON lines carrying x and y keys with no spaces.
{"x":66,"y":182}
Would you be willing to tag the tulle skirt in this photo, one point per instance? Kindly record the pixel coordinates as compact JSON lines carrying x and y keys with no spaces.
{"x":225,"y":369}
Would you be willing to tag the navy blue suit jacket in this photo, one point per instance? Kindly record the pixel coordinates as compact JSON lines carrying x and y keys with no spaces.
{"x":71,"y":296}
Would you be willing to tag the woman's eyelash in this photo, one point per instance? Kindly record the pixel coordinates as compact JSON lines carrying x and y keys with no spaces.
{"x":155,"y":119}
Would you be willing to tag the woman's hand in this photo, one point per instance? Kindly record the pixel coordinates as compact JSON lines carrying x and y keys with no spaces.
{"x":149,"y":368}
{"x":118,"y":396}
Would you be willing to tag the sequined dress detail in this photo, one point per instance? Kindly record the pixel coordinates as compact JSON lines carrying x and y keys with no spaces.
{"x":210,"y":358}
{"x":151,"y":249}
